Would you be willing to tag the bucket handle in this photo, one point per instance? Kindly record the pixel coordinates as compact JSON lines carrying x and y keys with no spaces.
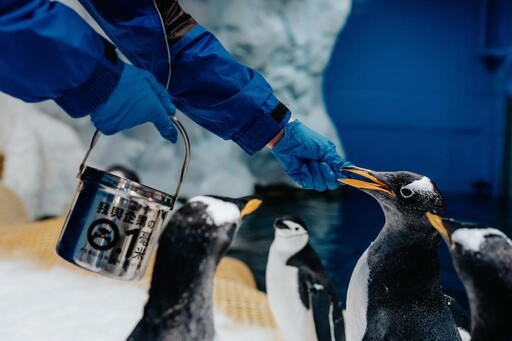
{"x":184,"y":167}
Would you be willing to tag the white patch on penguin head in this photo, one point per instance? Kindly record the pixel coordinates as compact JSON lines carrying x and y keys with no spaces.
{"x":415,"y":195}
{"x":292,"y":230}
{"x":472,"y":239}
{"x":422,"y":186}
{"x":290,"y":236}
{"x":219,"y":212}
{"x":403,"y":193}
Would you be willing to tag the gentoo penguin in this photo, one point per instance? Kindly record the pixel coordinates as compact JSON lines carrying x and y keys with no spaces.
{"x":180,"y":303}
{"x":394,"y":292}
{"x":482,"y":257}
{"x":301,"y":296}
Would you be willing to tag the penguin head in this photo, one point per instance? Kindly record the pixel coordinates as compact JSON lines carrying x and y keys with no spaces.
{"x":208,"y":224}
{"x":477,"y":250}
{"x":406,"y":194}
{"x":291,"y":234}
{"x":407,"y":191}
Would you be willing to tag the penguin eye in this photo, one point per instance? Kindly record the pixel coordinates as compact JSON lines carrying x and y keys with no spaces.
{"x":296,"y":229}
{"x":406,"y":192}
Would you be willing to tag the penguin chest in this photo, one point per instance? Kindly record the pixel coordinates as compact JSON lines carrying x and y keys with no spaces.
{"x":399,"y":306}
{"x":357,"y":300}
{"x":293,"y":318}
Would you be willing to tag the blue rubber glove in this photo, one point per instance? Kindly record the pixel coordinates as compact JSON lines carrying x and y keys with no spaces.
{"x":138,"y":98}
{"x":308,"y":158}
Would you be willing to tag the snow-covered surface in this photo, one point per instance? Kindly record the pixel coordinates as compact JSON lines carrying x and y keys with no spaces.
{"x":472,"y":239}
{"x":62,"y":305}
{"x":281,"y":39}
{"x":221,"y":212}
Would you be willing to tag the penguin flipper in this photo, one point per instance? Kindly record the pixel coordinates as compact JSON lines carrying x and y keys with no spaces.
{"x":461,"y":316}
{"x":317,"y":291}
{"x":327,"y":314}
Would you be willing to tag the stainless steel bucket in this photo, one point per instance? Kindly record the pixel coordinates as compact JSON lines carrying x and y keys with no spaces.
{"x":113,"y":225}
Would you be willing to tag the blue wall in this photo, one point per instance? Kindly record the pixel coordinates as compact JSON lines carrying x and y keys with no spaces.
{"x":408,"y":89}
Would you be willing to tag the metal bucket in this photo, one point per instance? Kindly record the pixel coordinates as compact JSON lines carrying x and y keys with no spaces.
{"x":113,"y":225}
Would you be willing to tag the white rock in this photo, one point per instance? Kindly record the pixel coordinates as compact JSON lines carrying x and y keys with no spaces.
{"x":42,"y":156}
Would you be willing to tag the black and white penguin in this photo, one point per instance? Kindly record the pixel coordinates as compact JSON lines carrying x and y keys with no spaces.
{"x":394,"y":291}
{"x":301,"y":295}
{"x":482,"y":257}
{"x":180,"y":303}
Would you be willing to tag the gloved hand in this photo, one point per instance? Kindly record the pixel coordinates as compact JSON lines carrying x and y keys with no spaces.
{"x":138,"y":98}
{"x":308,"y":158}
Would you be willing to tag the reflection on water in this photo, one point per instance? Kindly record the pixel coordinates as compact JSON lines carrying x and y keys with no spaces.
{"x":341,"y":226}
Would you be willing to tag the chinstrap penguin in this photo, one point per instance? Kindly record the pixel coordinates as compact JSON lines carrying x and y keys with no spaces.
{"x":394,"y":291}
{"x":482,"y":257}
{"x":300,"y":293}
{"x":180,"y":303}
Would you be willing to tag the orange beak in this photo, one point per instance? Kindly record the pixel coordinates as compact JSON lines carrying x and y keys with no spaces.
{"x":374,"y":184}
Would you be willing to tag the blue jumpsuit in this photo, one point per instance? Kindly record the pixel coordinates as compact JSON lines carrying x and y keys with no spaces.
{"x":49,"y":52}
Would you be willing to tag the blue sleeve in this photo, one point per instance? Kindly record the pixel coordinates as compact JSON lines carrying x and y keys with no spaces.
{"x":222,"y":95}
{"x":50,"y":52}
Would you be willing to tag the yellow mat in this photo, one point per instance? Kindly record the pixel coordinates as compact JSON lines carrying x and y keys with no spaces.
{"x":1,"y":166}
{"x":11,"y":207}
{"x":235,"y":290}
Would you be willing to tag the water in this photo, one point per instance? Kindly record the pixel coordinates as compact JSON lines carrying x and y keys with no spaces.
{"x":341,"y":226}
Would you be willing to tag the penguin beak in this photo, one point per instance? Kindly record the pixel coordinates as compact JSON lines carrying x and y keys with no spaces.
{"x":375,"y":185}
{"x":439,"y":225}
{"x":249,"y":204}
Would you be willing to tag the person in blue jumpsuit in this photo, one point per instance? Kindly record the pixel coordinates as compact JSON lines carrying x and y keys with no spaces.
{"x":49,"y":52}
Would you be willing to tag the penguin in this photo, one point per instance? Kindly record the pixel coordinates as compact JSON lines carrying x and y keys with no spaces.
{"x":394,"y":292}
{"x":180,"y":303}
{"x":301,"y":295}
{"x":482,"y":257}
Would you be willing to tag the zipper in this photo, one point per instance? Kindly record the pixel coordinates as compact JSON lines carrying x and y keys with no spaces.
{"x":166,"y":44}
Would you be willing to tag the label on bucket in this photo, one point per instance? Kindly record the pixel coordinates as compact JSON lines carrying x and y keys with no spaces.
{"x":120,"y":236}
{"x":103,"y":234}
